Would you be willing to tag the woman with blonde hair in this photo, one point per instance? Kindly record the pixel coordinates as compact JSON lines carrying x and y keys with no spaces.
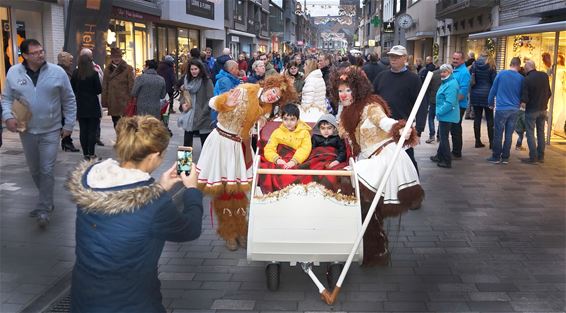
{"x":313,"y":95}
{"x":124,"y":218}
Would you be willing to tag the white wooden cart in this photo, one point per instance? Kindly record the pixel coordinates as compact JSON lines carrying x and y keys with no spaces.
{"x":302,"y":224}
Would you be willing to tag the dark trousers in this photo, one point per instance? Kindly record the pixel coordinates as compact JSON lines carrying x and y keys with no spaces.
{"x":456,"y":132}
{"x":443,"y":152}
{"x":87,"y":134}
{"x":171,"y":101}
{"x":478,"y":113}
{"x":431,"y":115}
{"x":411,"y":153}
{"x":67,"y":141}
{"x":115,"y":120}
{"x":188,"y":139}
{"x":536,"y":145}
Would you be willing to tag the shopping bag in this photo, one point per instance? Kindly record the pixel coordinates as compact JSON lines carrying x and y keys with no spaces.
{"x":131,"y":107}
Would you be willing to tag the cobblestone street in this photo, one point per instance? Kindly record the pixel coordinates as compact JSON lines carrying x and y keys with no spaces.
{"x":488,"y":238}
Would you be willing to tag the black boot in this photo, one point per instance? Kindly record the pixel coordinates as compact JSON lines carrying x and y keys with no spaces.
{"x":69,"y":147}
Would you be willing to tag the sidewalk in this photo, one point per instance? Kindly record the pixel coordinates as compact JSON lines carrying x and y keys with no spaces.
{"x":487,"y":238}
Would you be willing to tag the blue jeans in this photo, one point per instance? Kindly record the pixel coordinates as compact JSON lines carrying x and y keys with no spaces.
{"x":504,"y":121}
{"x":40,"y":151}
{"x":532,"y":119}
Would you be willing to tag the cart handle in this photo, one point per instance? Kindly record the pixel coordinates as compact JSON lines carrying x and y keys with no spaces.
{"x":266,"y":171}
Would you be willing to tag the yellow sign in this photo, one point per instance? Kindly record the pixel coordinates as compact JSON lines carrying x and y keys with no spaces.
{"x":371,"y":43}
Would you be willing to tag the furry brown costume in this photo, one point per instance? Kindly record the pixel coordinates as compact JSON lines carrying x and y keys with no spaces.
{"x":229,"y":198}
{"x":365,"y":104}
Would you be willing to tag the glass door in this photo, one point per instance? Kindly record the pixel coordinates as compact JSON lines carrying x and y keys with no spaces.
{"x":140,"y":42}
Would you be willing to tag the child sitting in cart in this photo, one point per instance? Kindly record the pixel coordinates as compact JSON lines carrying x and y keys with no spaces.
{"x":290,"y":144}
{"x":326,"y":142}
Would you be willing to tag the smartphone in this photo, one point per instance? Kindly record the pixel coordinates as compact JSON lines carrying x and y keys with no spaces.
{"x":184,"y":159}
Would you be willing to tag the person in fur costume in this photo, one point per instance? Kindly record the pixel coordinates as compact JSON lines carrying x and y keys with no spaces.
{"x":224,"y":165}
{"x":365,"y":120}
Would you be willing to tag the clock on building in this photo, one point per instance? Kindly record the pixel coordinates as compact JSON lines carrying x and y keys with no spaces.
{"x":405,"y":21}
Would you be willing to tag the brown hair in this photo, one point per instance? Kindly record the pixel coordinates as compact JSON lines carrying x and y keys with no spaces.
{"x":362,"y":93}
{"x":288,"y":93}
{"x":139,"y":136}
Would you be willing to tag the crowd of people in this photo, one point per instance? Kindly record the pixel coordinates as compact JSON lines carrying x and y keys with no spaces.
{"x":357,"y":106}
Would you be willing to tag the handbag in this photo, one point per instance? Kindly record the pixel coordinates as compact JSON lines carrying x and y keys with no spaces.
{"x":131,"y":107}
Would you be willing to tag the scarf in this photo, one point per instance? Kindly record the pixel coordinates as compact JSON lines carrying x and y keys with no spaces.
{"x":193,"y":87}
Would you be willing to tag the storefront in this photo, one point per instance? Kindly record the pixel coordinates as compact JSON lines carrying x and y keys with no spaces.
{"x":175,"y":41}
{"x":131,"y":32}
{"x":545,"y":44}
{"x":24,"y":20}
{"x":239,"y":41}
{"x":186,"y":25}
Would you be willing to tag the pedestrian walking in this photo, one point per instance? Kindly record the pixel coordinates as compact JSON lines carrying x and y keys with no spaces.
{"x":46,"y":91}
{"x":65,"y":61}
{"x":447,"y":112}
{"x":195,"y":119}
{"x":117,"y":85}
{"x":100,"y":73}
{"x":149,"y":89}
{"x":482,"y":76}
{"x":86,"y":86}
{"x":506,"y":90}
{"x":462,"y":76}
{"x":399,"y":87}
{"x":124,"y":218}
{"x":166,"y":70}
{"x":534,"y":98}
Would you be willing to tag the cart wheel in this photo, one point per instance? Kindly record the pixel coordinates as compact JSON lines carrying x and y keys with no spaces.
{"x":333,"y":273}
{"x":272,"y":273}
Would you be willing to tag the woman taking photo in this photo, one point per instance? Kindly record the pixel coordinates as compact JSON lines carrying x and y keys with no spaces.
{"x":124,"y":218}
{"x":198,"y":89}
{"x":87,"y":87}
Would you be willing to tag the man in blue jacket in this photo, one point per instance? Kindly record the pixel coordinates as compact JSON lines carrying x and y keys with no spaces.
{"x":462,"y":76}
{"x":506,"y":90}
{"x":225,"y":81}
{"x":46,"y":90}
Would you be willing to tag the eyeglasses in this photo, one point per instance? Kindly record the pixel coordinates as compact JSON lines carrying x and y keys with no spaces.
{"x":36,"y":53}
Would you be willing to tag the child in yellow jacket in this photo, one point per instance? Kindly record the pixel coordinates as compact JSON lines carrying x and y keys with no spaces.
{"x":292,"y":133}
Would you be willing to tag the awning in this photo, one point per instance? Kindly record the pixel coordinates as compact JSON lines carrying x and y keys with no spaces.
{"x":237,"y":32}
{"x":530,"y":29}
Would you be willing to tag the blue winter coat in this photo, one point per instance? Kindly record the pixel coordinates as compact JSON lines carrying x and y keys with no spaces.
{"x":484,"y":76}
{"x":224,"y":82}
{"x":447,"y":109}
{"x":120,"y":234}
{"x":462,"y":76}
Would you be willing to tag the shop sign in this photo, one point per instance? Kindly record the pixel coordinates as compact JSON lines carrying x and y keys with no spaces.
{"x":201,"y":8}
{"x":300,"y":43}
{"x":235,"y":39}
{"x":371,"y":43}
{"x":122,"y":13}
{"x":389,"y":27}
{"x":86,"y":24}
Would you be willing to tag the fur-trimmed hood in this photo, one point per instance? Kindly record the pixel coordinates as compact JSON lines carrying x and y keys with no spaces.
{"x":106,"y":188}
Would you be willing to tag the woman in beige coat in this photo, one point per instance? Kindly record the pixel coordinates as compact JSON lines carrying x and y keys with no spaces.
{"x":117,"y":85}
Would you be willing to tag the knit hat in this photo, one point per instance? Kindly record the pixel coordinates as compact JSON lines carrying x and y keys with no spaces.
{"x":329,"y":118}
{"x":169,"y":59}
{"x":115,"y":52}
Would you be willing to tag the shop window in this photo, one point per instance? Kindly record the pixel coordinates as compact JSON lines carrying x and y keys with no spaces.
{"x":559,"y":107}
